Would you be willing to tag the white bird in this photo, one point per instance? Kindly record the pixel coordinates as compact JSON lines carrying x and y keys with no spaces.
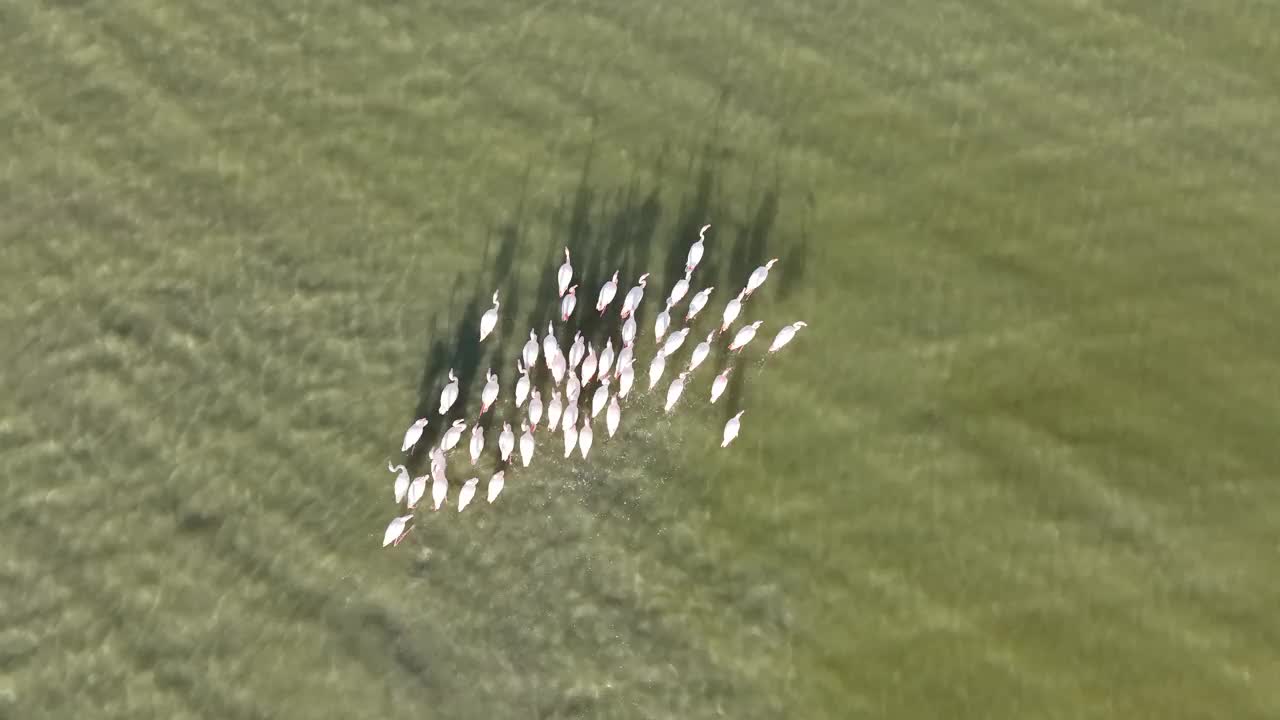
{"x":731,"y":311}
{"x":570,"y":417}
{"x":535,"y":408}
{"x":662,"y":323}
{"x":453,"y":435}
{"x":731,"y":429}
{"x":413,"y":434}
{"x":613,"y":416}
{"x":496,"y":483}
{"x":634,"y":296}
{"x":629,"y":331}
{"x":467,"y":492}
{"x":506,"y":442}
{"x":607,"y":291}
{"x":656,"y":368}
{"x":600,"y":398}
{"x":570,"y":439}
{"x":625,"y":379}
{"x":530,"y":351}
{"x":402,"y":481}
{"x":565,"y":274}
{"x":526,"y":447}
{"x":576,"y":351}
{"x":396,"y":530}
{"x":449,"y":395}
{"x":695,"y":250}
{"x":554,"y":407}
{"x":758,"y":276}
{"x":606,"y":359}
{"x":701,"y":351}
{"x":589,"y":365}
{"x":489,"y":320}
{"x":678,"y":292}
{"x":744,"y":336}
{"x":416,"y":489}
{"x":673,"y":392}
{"x":572,"y":387}
{"x":477,"y":443}
{"x":698,"y":302}
{"x":674,"y":342}
{"x":437,"y":460}
{"x":585,"y":437}
{"x":490,"y":392}
{"x":719,"y":384}
{"x":568,"y":303}
{"x":625,"y":357}
{"x":549,"y":345}
{"x":522,"y":384}
{"x":439,"y":491}
{"x":785,"y":334}
{"x":557,"y":365}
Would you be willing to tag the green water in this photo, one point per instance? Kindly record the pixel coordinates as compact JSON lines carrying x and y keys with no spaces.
{"x":1021,"y":464}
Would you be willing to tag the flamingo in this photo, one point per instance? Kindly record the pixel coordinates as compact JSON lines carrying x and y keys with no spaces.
{"x":673,"y":392}
{"x":698,"y":302}
{"x":554,"y":408}
{"x":396,"y":530}
{"x":680,"y":289}
{"x":402,"y":481}
{"x":585,"y":437}
{"x":565,"y":274}
{"x":744,"y":336}
{"x":549,"y":345}
{"x":613,"y":416}
{"x":522,"y":384}
{"x":557,"y":365}
{"x":449,"y":395}
{"x":506,"y":441}
{"x":570,"y":439}
{"x":785,"y":334}
{"x":731,"y":311}
{"x":589,"y":365}
{"x":695,"y":250}
{"x":701,"y":352}
{"x":576,"y":351}
{"x":490,"y":318}
{"x":731,"y":429}
{"x":467,"y":492}
{"x":568,"y":303}
{"x":439,"y":491}
{"x":599,"y":399}
{"x":413,"y":434}
{"x":453,"y":435}
{"x":416,"y":490}
{"x":437,"y":460}
{"x":625,"y":379}
{"x":606,"y":359}
{"x":477,"y":443}
{"x":526,"y":447}
{"x":629,"y":331}
{"x":572,"y":387}
{"x":535,"y":408}
{"x":490,"y":392}
{"x":662,"y":323}
{"x":719,"y":384}
{"x":496,"y":483}
{"x":674,"y":342}
{"x":530,"y":351}
{"x":626,"y":357}
{"x":570,"y":417}
{"x":758,"y":276}
{"x":655,"y":369}
{"x":607,"y":291}
{"x":634,"y":296}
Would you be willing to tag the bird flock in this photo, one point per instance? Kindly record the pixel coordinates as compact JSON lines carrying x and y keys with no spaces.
{"x":611,"y":372}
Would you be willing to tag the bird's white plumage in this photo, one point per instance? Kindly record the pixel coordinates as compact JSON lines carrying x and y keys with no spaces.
{"x":530,"y":352}
{"x":678,"y":291}
{"x":489,"y":320}
{"x":629,"y":331}
{"x":526,"y":447}
{"x":549,"y":345}
{"x":698,"y":302}
{"x":558,"y":366}
{"x":600,"y":398}
{"x":576,"y":351}
{"x":522,"y":385}
{"x":625,"y":357}
{"x":467,"y":492}
{"x":506,"y":442}
{"x":674,"y":342}
{"x":555,"y":407}
{"x":731,"y":311}
{"x":535,"y":408}
{"x":613,"y":416}
{"x":661,"y":324}
{"x":570,"y":417}
{"x":564,"y":275}
{"x":477,"y":443}
{"x":490,"y":392}
{"x":570,"y":439}
{"x":695,"y":250}
{"x":585,"y":438}
{"x":745,"y":336}
{"x":439,"y":491}
{"x":701,"y":351}
{"x":634,"y":296}
{"x":606,"y":359}
{"x":674,"y":391}
{"x":413,"y":434}
{"x":401,"y":485}
{"x":568,"y":303}
{"x":496,"y":483}
{"x":731,"y":429}
{"x":395,"y":530}
{"x":758,"y":276}
{"x":449,"y":395}
{"x":453,"y":435}
{"x":785,"y":335}
{"x":625,"y":379}
{"x":656,"y":368}
{"x":719,"y":384}
{"x":589,"y":365}
{"x":607,"y":291}
{"x":416,"y":490}
{"x":572,"y":387}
